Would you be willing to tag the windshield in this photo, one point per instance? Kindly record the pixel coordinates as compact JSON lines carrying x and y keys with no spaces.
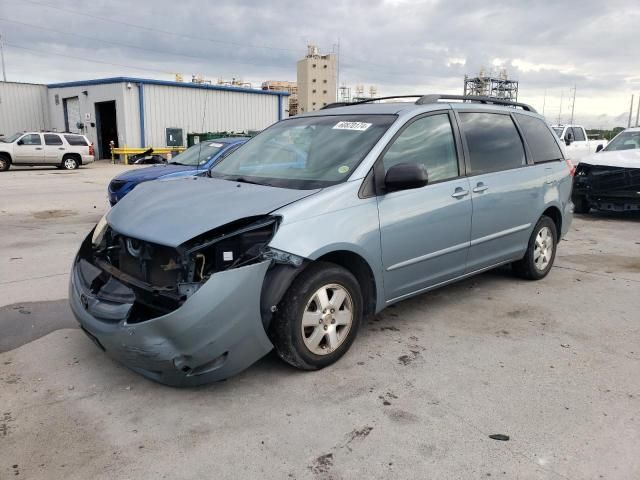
{"x":305,"y":152}
{"x":624,"y":141}
{"x":198,"y":154}
{"x":558,"y":131}
{"x":11,"y":138}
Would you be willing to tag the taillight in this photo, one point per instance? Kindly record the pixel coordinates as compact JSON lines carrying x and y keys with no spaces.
{"x":91,"y":149}
{"x":572,"y":169}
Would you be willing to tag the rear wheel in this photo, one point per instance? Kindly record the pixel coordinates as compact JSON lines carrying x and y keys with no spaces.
{"x":541,"y":251}
{"x":318,"y":318}
{"x":70,"y":163}
{"x":581,"y":204}
{"x":5,"y":164}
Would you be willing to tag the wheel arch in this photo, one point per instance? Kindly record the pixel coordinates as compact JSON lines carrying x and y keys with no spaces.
{"x":359,"y":268}
{"x":553,"y":212}
{"x":7,"y":155}
{"x":77,"y":156}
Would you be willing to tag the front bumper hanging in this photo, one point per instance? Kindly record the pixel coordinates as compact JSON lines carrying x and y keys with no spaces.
{"x":216,"y":333}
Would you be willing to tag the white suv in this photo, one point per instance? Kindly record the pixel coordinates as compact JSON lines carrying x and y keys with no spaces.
{"x":63,"y":150}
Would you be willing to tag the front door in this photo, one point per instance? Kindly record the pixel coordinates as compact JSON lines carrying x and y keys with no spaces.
{"x":505,"y":191}
{"x":29,"y":149}
{"x":425,"y":231}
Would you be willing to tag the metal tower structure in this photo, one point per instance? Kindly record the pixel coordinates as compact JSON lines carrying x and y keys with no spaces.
{"x":491,"y":85}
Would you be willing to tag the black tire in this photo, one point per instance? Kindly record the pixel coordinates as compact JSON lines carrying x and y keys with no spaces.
{"x":581,"y":204}
{"x":286,"y":331}
{"x":5,"y":163}
{"x":69,"y":163}
{"x":527,"y":267}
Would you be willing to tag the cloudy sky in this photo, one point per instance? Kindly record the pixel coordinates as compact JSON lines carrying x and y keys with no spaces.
{"x":399,"y":46}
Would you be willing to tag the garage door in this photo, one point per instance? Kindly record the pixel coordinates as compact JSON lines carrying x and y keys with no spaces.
{"x":71,"y":114}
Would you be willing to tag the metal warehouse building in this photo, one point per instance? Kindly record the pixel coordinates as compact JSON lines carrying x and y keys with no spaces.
{"x":136,"y":112}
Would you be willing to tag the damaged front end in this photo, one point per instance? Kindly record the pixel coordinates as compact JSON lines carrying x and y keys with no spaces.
{"x":187,"y":315}
{"x":606,"y":187}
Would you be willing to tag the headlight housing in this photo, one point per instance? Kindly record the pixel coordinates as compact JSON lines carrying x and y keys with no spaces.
{"x":99,"y":231}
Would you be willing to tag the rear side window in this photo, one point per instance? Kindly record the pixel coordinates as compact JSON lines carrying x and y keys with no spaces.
{"x":428,"y":141}
{"x":31,"y":139}
{"x":493,"y":141}
{"x":76,"y":140}
{"x":51,"y":139}
{"x":578,"y":134}
{"x":540,"y":140}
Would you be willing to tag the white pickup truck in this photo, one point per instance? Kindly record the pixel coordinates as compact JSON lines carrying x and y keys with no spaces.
{"x":577,"y":143}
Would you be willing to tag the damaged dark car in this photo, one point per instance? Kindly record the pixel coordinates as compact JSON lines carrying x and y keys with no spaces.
{"x":610,"y":180}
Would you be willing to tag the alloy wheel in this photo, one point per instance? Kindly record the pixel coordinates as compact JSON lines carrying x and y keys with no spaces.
{"x":543,"y":249}
{"x":327,"y":319}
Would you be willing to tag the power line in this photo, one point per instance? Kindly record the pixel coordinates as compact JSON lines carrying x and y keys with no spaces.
{"x":121,"y":44}
{"x":87,"y":59}
{"x":184,"y":35}
{"x":157,"y":30}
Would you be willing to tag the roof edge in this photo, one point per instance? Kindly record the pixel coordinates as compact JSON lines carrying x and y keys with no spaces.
{"x":166,"y":83}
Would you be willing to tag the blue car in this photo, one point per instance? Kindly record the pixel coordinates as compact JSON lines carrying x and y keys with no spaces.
{"x":195,"y":160}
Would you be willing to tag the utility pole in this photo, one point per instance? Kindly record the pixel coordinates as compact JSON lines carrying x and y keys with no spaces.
{"x":573,"y":103}
{"x":630,"y":112}
{"x":338,"y":70}
{"x":544,"y":101}
{"x":560,"y":111}
{"x":4,"y":74}
{"x":638,"y":113}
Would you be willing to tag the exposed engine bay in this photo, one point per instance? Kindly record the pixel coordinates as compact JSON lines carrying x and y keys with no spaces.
{"x":607,"y":187}
{"x":154,"y":279}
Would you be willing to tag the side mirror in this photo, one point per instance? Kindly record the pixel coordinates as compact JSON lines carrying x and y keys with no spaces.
{"x":599,"y":147}
{"x":405,"y":176}
{"x":20,"y":142}
{"x":568,"y":138}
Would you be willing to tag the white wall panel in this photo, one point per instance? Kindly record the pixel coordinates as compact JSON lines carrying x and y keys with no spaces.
{"x":23,"y":106}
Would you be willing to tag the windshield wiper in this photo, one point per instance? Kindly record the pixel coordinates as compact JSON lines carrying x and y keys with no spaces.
{"x":243,"y":180}
{"x":178,"y":163}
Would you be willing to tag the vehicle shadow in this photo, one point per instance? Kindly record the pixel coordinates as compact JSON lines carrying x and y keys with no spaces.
{"x":598,"y":215}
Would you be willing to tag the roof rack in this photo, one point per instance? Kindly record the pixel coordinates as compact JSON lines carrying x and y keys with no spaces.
{"x":368,"y":100}
{"x":434,"y":98}
{"x":426,"y":99}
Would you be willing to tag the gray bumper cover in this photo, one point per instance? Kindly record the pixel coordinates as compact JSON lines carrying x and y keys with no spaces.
{"x":216,"y":333}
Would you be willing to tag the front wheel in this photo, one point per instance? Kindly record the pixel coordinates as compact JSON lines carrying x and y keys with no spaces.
{"x":541,"y":251}
{"x":318,"y":318}
{"x":69,"y":163}
{"x":4,"y":164}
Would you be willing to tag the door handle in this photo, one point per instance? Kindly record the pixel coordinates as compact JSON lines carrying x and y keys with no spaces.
{"x":459,"y":193}
{"x":38,"y":148}
{"x":60,"y":148}
{"x":481,"y":187}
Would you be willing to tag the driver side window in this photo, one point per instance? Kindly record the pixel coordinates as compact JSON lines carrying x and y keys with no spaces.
{"x":428,"y":141}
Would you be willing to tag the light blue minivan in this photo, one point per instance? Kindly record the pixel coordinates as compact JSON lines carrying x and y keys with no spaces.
{"x":314,"y":224}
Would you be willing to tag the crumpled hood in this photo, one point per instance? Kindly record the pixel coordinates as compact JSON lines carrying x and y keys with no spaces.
{"x":174,"y":211}
{"x":615,"y":158}
{"x":151,"y":173}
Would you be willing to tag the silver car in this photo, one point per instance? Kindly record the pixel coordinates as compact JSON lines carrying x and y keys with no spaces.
{"x":316,"y":223}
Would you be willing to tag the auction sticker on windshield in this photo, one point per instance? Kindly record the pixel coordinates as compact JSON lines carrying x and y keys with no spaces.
{"x":357,"y":126}
{"x":216,"y":145}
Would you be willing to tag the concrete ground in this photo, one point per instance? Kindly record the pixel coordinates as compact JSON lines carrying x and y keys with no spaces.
{"x":552,"y":364}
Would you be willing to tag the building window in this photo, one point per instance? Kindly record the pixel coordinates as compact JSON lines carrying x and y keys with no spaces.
{"x":313,"y":91}
{"x":324,"y":81}
{"x":314,"y":103}
{"x":324,"y":91}
{"x":313,"y":65}
{"x":324,"y":104}
{"x":324,"y":66}
{"x":313,"y":81}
